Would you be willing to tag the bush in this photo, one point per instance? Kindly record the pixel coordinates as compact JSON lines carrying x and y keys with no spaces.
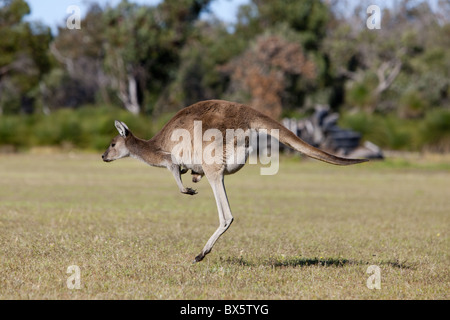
{"x":93,"y":128}
{"x":387,"y":131}
{"x":412,"y":105}
{"x":84,"y":128}
{"x":13,"y":129}
{"x":390,"y":132}
{"x":435,"y":131}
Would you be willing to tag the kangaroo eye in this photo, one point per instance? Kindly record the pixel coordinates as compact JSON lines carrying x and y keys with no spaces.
{"x":113,"y":145}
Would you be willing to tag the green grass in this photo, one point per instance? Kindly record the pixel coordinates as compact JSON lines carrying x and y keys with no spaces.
{"x":309,"y":232}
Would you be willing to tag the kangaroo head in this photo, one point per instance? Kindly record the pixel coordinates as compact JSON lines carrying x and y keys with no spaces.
{"x":118,"y":148}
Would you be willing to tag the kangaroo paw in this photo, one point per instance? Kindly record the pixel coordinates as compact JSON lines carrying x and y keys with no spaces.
{"x":199,"y":258}
{"x":190,"y":191}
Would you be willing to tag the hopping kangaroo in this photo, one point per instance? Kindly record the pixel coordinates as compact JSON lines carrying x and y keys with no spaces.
{"x":220,"y":116}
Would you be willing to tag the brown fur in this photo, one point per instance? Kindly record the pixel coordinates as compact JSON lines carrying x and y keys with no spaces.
{"x":214,"y":114}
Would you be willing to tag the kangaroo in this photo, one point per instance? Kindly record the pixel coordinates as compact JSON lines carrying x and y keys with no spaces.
{"x":213,"y":114}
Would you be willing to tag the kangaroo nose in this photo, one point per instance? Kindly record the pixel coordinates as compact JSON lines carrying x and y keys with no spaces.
{"x":103,"y":156}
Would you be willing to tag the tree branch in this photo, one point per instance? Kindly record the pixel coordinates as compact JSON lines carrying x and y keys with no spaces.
{"x":385,"y":81}
{"x":65,"y":61}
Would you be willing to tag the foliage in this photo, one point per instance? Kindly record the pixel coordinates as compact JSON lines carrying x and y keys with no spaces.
{"x":24,"y":57}
{"x":89,"y":127}
{"x":281,"y":57}
{"x":265,"y":69}
{"x":435,"y":131}
{"x":388,"y":132}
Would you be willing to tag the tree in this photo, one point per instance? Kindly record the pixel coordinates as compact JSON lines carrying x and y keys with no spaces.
{"x":80,"y":76}
{"x":308,"y":18}
{"x":299,"y":22}
{"x":143,"y":46}
{"x":129,"y":53}
{"x":23,"y":57}
{"x":263,"y":69}
{"x":383,"y":68}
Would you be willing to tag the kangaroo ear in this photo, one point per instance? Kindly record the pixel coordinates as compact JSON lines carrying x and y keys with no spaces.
{"x":122,"y":128}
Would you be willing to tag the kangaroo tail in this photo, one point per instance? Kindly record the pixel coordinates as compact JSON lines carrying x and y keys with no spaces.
{"x":288,"y":138}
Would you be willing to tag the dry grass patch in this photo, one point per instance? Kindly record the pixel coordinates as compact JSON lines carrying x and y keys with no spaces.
{"x":309,"y":232}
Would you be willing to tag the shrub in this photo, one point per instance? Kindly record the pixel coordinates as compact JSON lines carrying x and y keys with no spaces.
{"x":412,"y":105}
{"x":86,"y":128}
{"x":13,"y":129}
{"x":387,"y":131}
{"x":93,"y":128}
{"x":435,"y":131}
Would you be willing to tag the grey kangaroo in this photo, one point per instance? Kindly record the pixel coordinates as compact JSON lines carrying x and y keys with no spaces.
{"x":213,"y":114}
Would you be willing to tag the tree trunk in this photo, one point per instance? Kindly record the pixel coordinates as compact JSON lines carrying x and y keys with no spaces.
{"x":128,"y":95}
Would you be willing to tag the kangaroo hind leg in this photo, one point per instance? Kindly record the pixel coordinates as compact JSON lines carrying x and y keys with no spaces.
{"x":216,"y":181}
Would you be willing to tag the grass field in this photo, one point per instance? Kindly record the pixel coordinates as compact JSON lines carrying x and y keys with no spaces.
{"x":309,"y":232}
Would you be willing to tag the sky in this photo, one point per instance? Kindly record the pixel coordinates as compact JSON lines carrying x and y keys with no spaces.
{"x":53,"y":12}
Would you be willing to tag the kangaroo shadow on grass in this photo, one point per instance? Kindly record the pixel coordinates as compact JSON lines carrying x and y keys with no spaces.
{"x":296,"y":261}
